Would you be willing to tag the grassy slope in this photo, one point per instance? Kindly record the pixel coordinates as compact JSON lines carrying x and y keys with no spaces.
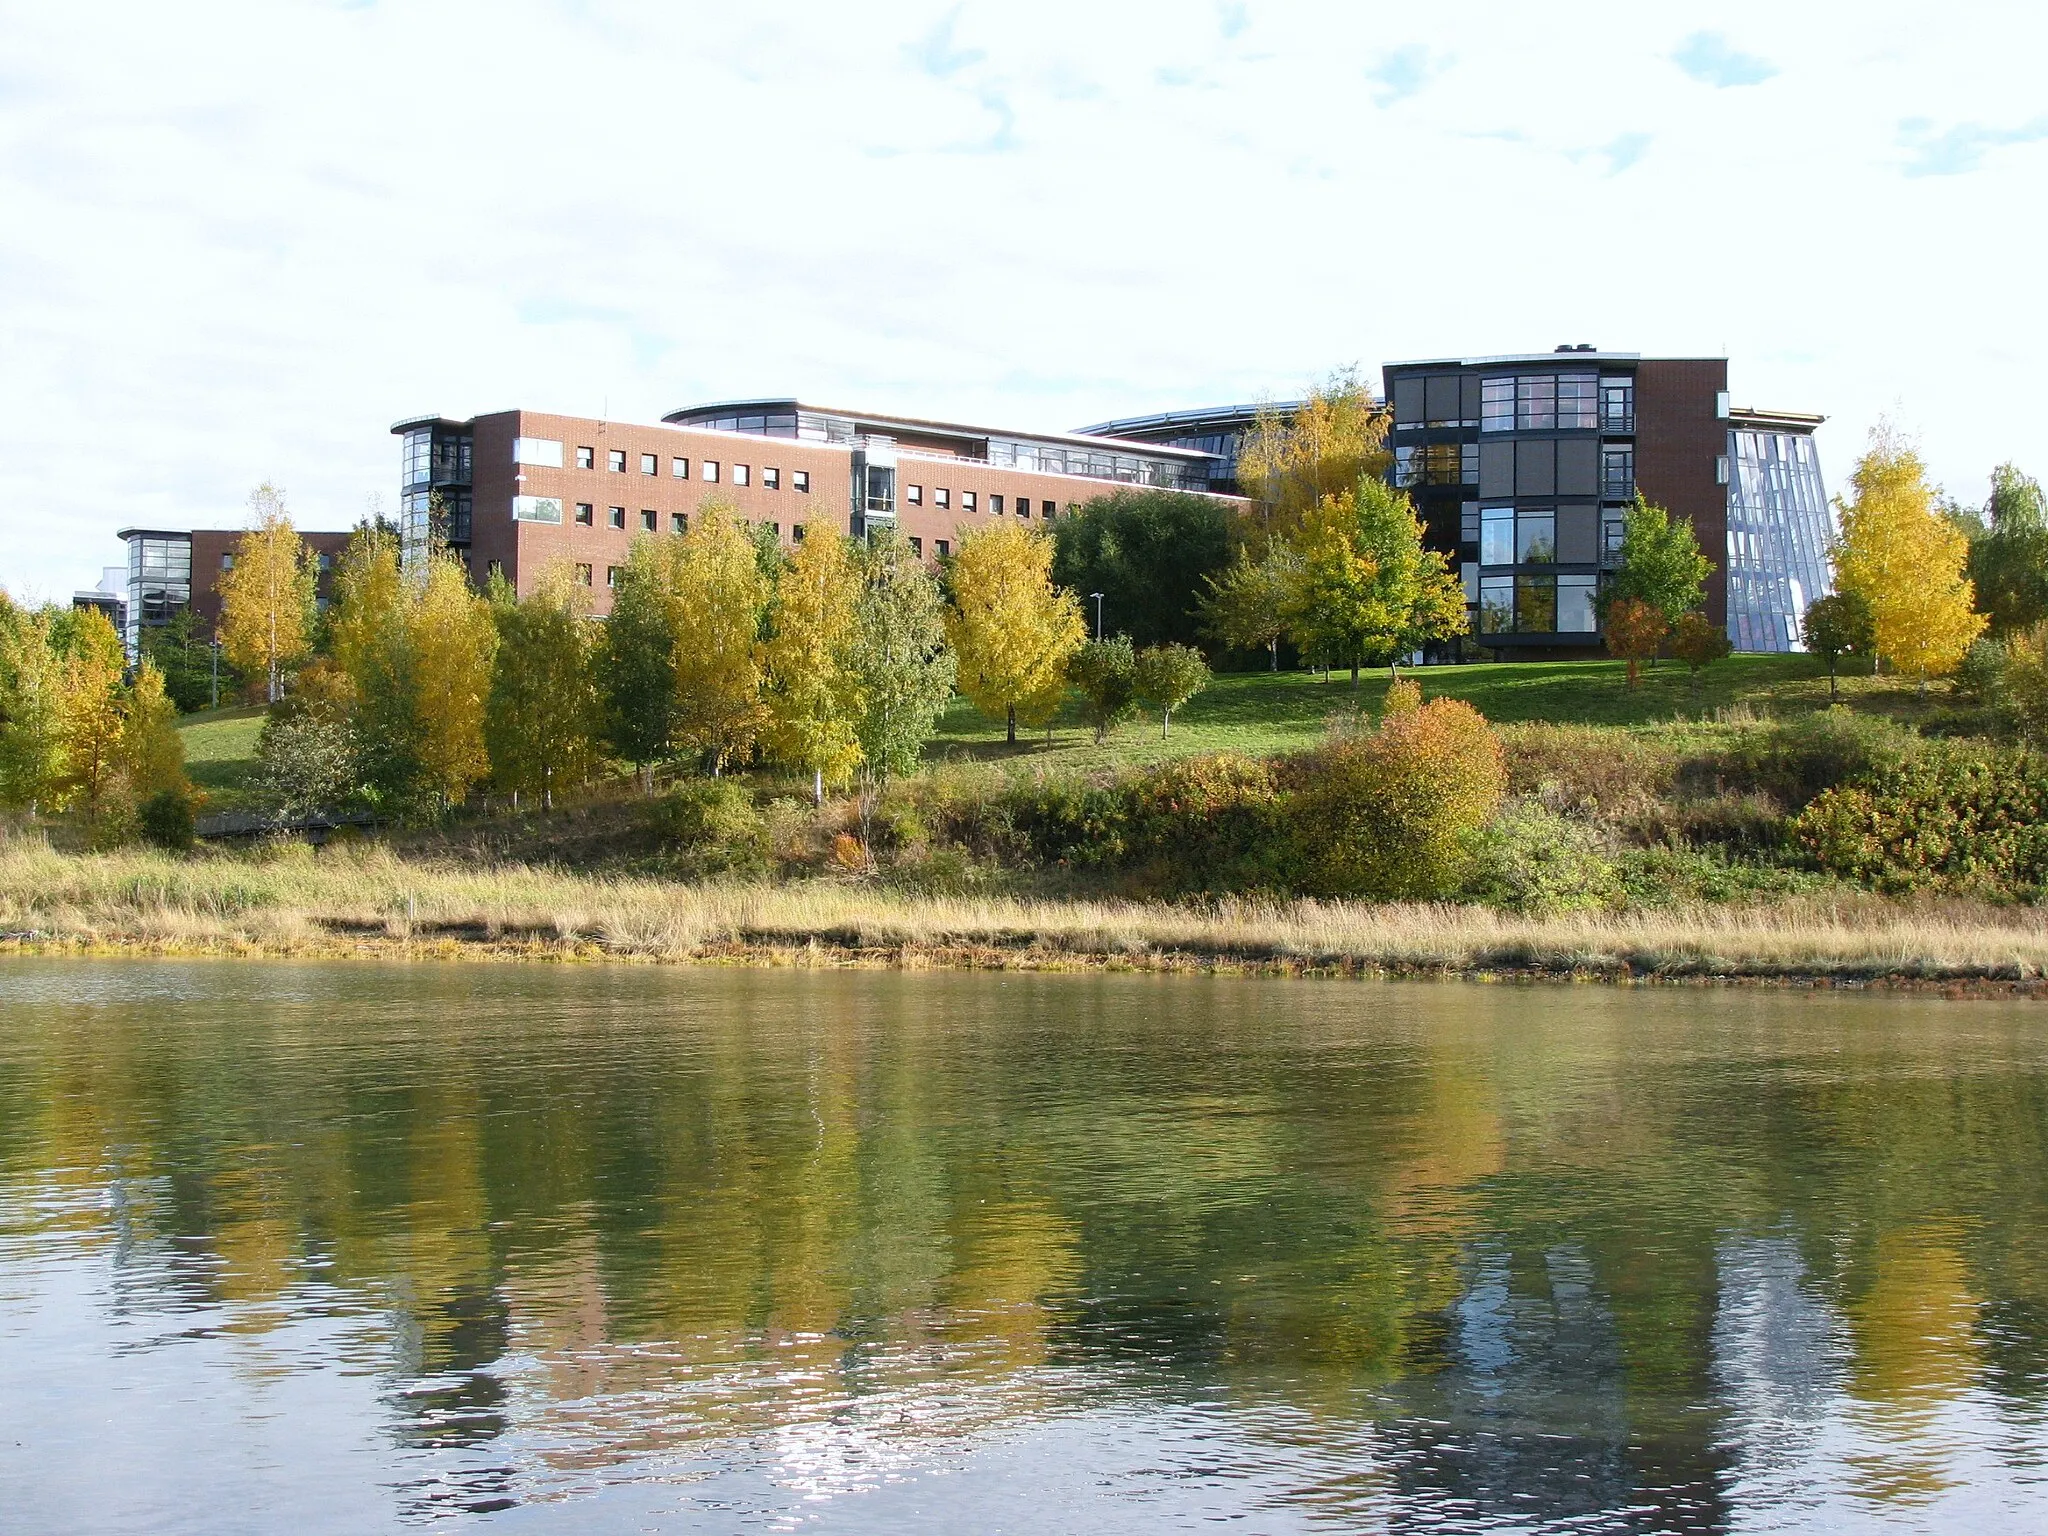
{"x":220,"y":752}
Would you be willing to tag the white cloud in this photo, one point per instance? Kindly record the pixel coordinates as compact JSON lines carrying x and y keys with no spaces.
{"x":242,"y":237}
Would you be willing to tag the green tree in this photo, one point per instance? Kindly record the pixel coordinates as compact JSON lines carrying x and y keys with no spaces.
{"x":1661,"y":563}
{"x":1167,"y":677}
{"x":813,"y":688}
{"x":719,"y":599}
{"x":1010,"y":627}
{"x":1365,"y":588}
{"x":1149,"y":553}
{"x":1244,"y":605}
{"x":2008,"y":559}
{"x":543,"y":706}
{"x":1106,"y":673}
{"x":266,"y":597}
{"x":1836,"y":626}
{"x":94,"y":712}
{"x":186,"y":660}
{"x":903,"y":673}
{"x":636,"y":665}
{"x":32,"y":692}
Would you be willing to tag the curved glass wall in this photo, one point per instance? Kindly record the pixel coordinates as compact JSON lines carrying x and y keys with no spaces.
{"x":1779,"y":530}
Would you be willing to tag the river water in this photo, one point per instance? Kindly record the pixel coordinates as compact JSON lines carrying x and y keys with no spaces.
{"x":345,"y":1247}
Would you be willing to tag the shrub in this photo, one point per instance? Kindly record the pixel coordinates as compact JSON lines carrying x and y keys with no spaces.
{"x":713,"y":825}
{"x":1980,"y":677}
{"x":165,"y":819}
{"x":1208,"y":824}
{"x":1530,"y":859}
{"x":1798,"y":759}
{"x":1946,"y":820}
{"x":1389,"y":816}
{"x":1106,"y":672}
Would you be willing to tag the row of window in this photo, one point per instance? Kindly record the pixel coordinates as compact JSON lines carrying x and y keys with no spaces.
{"x":913,"y":495}
{"x":1538,"y":605}
{"x":586,"y":574}
{"x":1537,"y":467}
{"x":712,"y":471}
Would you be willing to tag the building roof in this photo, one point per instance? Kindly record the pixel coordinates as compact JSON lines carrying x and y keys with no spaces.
{"x":1188,"y":420}
{"x":1575,"y":354}
{"x":878,"y":424}
{"x":1783,"y":421}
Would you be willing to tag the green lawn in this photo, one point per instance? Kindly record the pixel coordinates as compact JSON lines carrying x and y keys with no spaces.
{"x":220,"y":751}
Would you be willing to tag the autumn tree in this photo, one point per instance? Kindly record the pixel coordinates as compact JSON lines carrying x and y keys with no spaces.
{"x":636,"y":664}
{"x":1244,"y":605}
{"x":32,"y":698}
{"x":1907,"y":561}
{"x":1010,"y":627}
{"x":1633,"y":631}
{"x":813,"y":685}
{"x":1836,"y":626}
{"x":1661,"y":563}
{"x":152,"y":753}
{"x":542,"y":712}
{"x":1167,"y":676}
{"x":453,"y":644}
{"x":903,"y":673}
{"x":93,"y":712}
{"x":1365,"y":588}
{"x":1295,"y":457}
{"x":266,"y":597}
{"x":1699,"y":642}
{"x":719,"y":596}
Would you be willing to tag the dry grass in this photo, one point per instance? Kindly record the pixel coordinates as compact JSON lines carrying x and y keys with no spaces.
{"x":294,"y":901}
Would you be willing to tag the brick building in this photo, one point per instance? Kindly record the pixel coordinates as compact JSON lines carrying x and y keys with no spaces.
{"x":173,"y":569}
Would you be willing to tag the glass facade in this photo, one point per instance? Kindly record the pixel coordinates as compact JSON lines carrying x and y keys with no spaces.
{"x":1779,"y":528}
{"x":435,"y":496}
{"x":159,"y":582}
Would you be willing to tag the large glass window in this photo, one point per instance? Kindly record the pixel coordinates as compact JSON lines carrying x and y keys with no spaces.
{"x":1536,"y":605}
{"x":1536,"y":402}
{"x":1617,"y":474}
{"x":1779,"y":529}
{"x":1497,"y":405}
{"x":1617,"y":405}
{"x":1496,"y":605}
{"x":1575,"y":610}
{"x":881,"y":488}
{"x":1496,"y":535}
{"x":1578,"y":401}
{"x":1535,"y":539}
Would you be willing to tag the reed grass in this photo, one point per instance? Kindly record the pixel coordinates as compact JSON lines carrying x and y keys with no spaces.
{"x":296,"y":901}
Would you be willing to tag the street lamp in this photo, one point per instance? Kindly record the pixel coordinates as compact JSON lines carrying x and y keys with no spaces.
{"x":1098,"y":613}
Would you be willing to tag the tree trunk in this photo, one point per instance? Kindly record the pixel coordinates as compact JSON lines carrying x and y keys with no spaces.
{"x":1010,"y":723}
{"x":817,"y":786}
{"x":1273,"y":654}
{"x":1354,"y":674}
{"x":1834,"y":694}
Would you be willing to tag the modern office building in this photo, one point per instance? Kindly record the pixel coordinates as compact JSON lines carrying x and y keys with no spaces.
{"x":1524,"y":465}
{"x":1218,"y":431}
{"x":170,"y":570}
{"x":109,"y":597}
{"x":516,"y":492}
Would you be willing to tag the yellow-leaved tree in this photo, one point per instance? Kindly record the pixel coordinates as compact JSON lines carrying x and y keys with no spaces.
{"x":152,"y":754}
{"x":719,"y":594}
{"x":452,"y":642}
{"x":1294,"y":457}
{"x":1010,"y":627}
{"x":266,"y":595}
{"x":93,"y":713}
{"x":1906,"y":561}
{"x":814,"y":690}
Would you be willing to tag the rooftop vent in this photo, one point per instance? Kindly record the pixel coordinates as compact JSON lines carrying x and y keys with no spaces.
{"x":1584,"y":346}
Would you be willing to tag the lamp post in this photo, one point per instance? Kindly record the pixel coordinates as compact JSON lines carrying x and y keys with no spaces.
{"x":1098,"y":613}
{"x":216,"y":672}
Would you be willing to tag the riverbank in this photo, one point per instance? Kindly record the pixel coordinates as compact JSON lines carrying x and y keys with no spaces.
{"x":296,"y":902}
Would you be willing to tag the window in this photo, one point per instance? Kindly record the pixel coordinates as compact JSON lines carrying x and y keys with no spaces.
{"x":771,"y":479}
{"x":1496,"y":604}
{"x":1497,"y":405}
{"x":1721,"y":469}
{"x":325,"y":563}
{"x":536,"y":509}
{"x":611,"y":576}
{"x":649,"y":519}
{"x":1536,"y":605}
{"x":679,"y":468}
{"x":881,"y":488}
{"x":796,"y":533}
{"x":741,"y":474}
{"x":542,"y":451}
{"x":966,"y":503}
{"x":1617,"y":405}
{"x":1023,"y":506}
{"x":1045,"y":509}
{"x":586,"y":458}
{"x":582,"y":575}
{"x":775,"y":530}
{"x":618,"y":517}
{"x":1536,"y":539}
{"x":943,"y":547}
{"x":1721,"y":405}
{"x":800,"y":480}
{"x":617,"y":459}
{"x":1578,"y":402}
{"x":679,"y":522}
{"x":227,"y":561}
{"x":1575,"y":611}
{"x":496,"y":568}
{"x":586,"y":514}
{"x":1496,"y":535}
{"x":917,"y":546}
{"x":650,"y":464}
{"x":1536,"y":402}
{"x":941,"y":497}
{"x":995,"y":503}
{"x":709,"y":470}
{"x":1617,"y":474}
{"x":914,"y":495}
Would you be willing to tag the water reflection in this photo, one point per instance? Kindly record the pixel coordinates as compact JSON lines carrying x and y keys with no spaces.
{"x":345,"y":1244}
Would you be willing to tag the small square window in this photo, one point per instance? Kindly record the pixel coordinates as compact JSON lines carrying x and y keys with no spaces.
{"x":771,"y":479}
{"x":618,"y":517}
{"x":650,"y":464}
{"x":741,"y":474}
{"x":796,"y":533}
{"x":611,"y":575}
{"x":326,"y":562}
{"x":710,"y":470}
{"x":1023,"y":506}
{"x":941,"y":497}
{"x":649,"y":519}
{"x":942,"y":547}
{"x":586,"y":458}
{"x":227,"y":562}
{"x":586,"y":513}
{"x":967,"y":501}
{"x":1046,"y":509}
{"x":582,"y":575}
{"x":680,"y":468}
{"x":995,"y":503}
{"x":914,"y":494}
{"x":800,"y":480}
{"x":617,"y":459}
{"x":916,"y":545}
{"x":679,"y":522}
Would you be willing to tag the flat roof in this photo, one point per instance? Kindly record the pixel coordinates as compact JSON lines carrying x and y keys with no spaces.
{"x":1797,"y":420}
{"x":1545,"y":357}
{"x":1198,"y":416}
{"x":783,"y":405}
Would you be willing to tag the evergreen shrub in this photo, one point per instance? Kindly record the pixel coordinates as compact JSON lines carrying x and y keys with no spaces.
{"x":713,"y":826}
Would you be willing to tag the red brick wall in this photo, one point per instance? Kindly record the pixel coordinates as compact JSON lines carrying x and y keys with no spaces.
{"x":1680,"y":439}
{"x":209,"y":544}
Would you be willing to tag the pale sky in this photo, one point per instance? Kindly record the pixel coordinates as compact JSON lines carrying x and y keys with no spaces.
{"x":239,"y":240}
